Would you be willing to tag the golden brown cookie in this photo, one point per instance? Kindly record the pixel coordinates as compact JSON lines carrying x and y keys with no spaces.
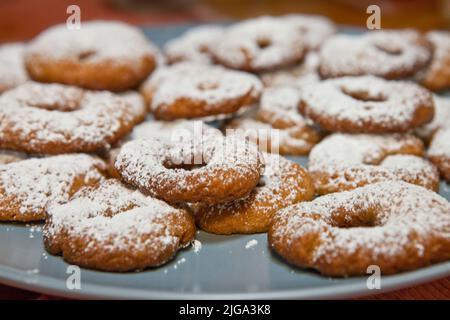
{"x":344,"y":162}
{"x":54,"y":118}
{"x":12,"y":69}
{"x":284,"y":183}
{"x":395,"y":226}
{"x":440,"y":120}
{"x":213,"y":170}
{"x":172,"y":131}
{"x":113,"y":228}
{"x":390,"y":54}
{"x":437,"y":75}
{"x":297,"y":75}
{"x":439,"y":152}
{"x":260,"y":44}
{"x":194,"y":45}
{"x":189,"y":90}
{"x":367,"y":104}
{"x":100,"y":55}
{"x":313,"y":29}
{"x":27,"y":187}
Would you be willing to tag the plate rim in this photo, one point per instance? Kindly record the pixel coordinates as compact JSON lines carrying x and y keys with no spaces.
{"x":52,"y":286}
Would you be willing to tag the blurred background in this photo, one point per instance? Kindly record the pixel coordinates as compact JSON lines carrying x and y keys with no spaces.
{"x":23,"y":19}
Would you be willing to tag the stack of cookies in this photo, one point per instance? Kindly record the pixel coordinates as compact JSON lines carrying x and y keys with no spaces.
{"x":114,"y":143}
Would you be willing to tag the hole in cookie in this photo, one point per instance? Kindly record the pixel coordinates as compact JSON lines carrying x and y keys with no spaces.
{"x":204,"y":86}
{"x":263,"y":43}
{"x":363,"y":95}
{"x":303,"y":29}
{"x":184,"y":166}
{"x":61,"y":107}
{"x":85,"y":55}
{"x":359,"y":219}
{"x":203,"y":49}
{"x":53,"y":98}
{"x":261,"y":183}
{"x":389,"y":50}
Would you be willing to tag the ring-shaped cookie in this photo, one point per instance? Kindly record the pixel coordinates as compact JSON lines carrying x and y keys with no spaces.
{"x":313,"y":29}
{"x":172,"y":131}
{"x":440,"y":120}
{"x":439,"y":152}
{"x":27,"y":187}
{"x":12,"y":68}
{"x":387,"y":54}
{"x":194,"y":45}
{"x":113,"y":228}
{"x":284,"y":183}
{"x":188,"y":90}
{"x":367,"y":104}
{"x":395,"y":226}
{"x":218,"y":169}
{"x":100,"y":55}
{"x":54,"y":119}
{"x":260,"y":44}
{"x":436,"y":76}
{"x":344,"y":162}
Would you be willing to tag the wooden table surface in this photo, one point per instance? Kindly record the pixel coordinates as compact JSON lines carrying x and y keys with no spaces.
{"x":23,"y":19}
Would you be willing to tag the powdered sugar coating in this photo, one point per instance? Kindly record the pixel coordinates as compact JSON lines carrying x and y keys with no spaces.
{"x":113,"y":221}
{"x":344,"y":162}
{"x":171,"y":131}
{"x":197,"y":90}
{"x":439,"y":152}
{"x":282,"y":184}
{"x":437,"y":75}
{"x":440,"y":145}
{"x":367,"y":104}
{"x":260,"y":44}
{"x":12,"y":70}
{"x":314,"y":29}
{"x":29,"y":186}
{"x":298,"y":75}
{"x":394,"y":225}
{"x":387,"y":53}
{"x":279,"y":107}
{"x":440,"y":120}
{"x":229,"y":168}
{"x":54,"y":118}
{"x":194,"y":45}
{"x":111,"y":41}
